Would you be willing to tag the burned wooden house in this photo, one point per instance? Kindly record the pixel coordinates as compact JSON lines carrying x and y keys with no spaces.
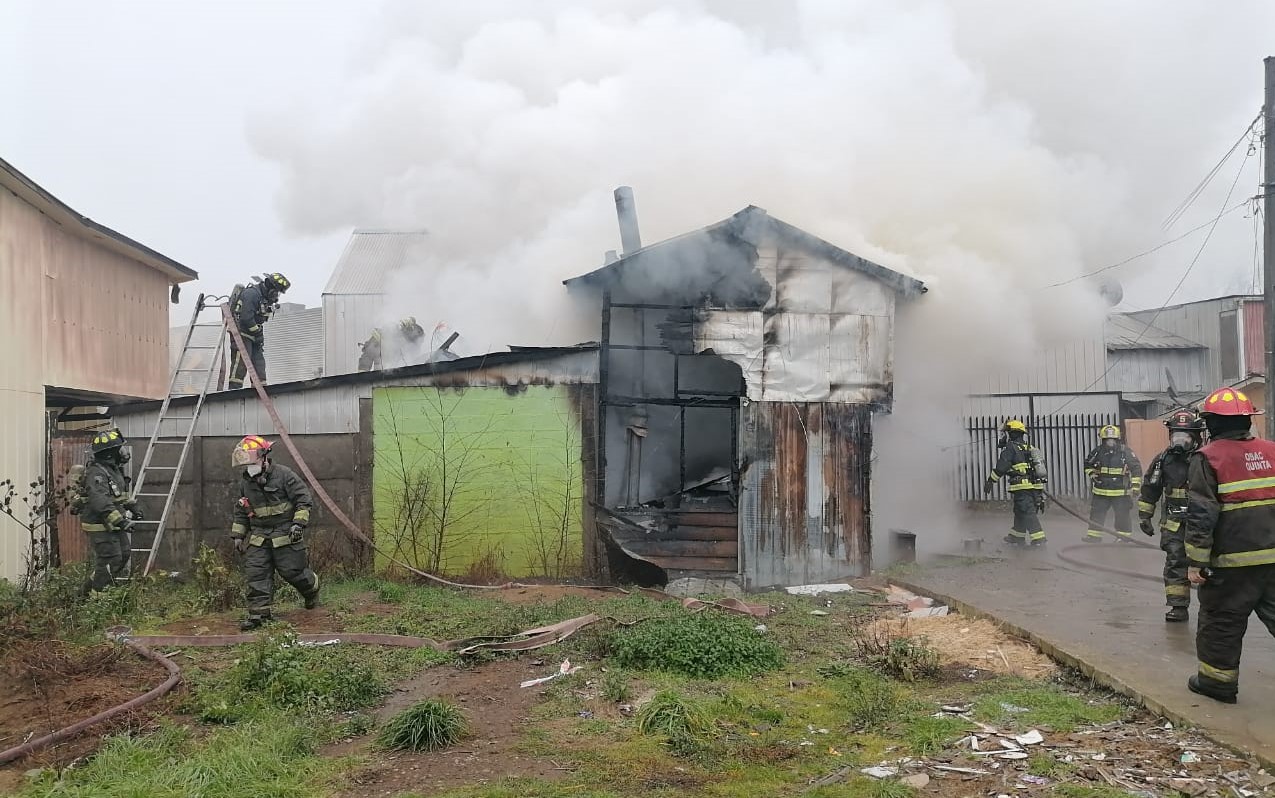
{"x":740,"y":366}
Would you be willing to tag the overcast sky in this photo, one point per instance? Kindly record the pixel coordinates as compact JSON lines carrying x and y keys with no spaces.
{"x":247,"y":136}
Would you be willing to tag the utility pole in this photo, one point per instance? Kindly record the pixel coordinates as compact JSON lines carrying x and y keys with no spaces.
{"x":1268,"y":240}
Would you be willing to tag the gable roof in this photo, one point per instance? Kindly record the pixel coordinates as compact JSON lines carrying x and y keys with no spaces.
{"x":750,"y":224}
{"x":371,"y":256}
{"x":1127,"y":333}
{"x":30,"y":192}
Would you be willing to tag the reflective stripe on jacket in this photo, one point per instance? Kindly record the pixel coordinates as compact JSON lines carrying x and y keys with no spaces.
{"x":1231,"y":503}
{"x":106,"y":498}
{"x":1166,"y":478}
{"x":1021,"y":465}
{"x":268,"y":511}
{"x":1114,"y":471}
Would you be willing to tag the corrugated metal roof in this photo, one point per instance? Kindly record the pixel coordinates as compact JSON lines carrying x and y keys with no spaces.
{"x":1124,"y":332}
{"x":371,"y":256}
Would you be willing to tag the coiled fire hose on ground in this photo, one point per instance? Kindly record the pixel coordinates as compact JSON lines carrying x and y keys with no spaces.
{"x":1064,"y":554}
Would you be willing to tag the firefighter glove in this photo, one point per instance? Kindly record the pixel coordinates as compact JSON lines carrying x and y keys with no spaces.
{"x":136,"y":513}
{"x":1146,"y":526}
{"x":1040,"y":502}
{"x":126,"y":525}
{"x":241,"y":545}
{"x":988,"y":485}
{"x":295,"y":533}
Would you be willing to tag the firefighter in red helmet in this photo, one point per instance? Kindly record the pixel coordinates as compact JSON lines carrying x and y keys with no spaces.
{"x":271,"y":514}
{"x":1166,"y":479}
{"x":1230,"y":539}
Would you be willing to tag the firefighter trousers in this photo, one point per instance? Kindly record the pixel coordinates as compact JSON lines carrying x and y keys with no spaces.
{"x":1120,"y":507}
{"x":1227,"y":598}
{"x":1177,"y":590}
{"x":256,"y":353}
{"x":1026,"y":526}
{"x":112,"y":552}
{"x":261,"y":563}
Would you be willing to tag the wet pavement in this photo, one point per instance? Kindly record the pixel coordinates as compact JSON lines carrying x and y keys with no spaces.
{"x":1111,"y":626}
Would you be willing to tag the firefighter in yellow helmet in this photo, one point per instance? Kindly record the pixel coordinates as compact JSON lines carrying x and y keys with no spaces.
{"x":270,"y":518}
{"x":108,"y":511}
{"x":1115,"y":477}
{"x":252,"y":307}
{"x":1021,"y":466}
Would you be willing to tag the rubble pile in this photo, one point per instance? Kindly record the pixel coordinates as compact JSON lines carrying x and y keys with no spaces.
{"x":1142,"y":757}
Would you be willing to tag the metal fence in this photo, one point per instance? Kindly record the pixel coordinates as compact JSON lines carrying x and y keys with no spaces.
{"x":1063,"y":440}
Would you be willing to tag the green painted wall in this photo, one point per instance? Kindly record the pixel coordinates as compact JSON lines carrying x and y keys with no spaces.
{"x":478,"y":481}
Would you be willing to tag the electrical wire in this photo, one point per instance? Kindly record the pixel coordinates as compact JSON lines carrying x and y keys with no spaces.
{"x":1176,"y":215}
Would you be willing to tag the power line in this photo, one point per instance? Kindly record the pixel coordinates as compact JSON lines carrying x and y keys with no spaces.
{"x":1176,"y":215}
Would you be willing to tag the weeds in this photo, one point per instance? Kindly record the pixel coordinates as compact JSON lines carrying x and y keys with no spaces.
{"x":906,"y":658}
{"x":269,"y":757}
{"x":870,"y":701}
{"x":425,"y":726}
{"x":684,"y":723}
{"x":1031,"y":704}
{"x":928,"y":735}
{"x":615,"y":687}
{"x":704,"y":646}
{"x":217,"y":587}
{"x":277,"y":672}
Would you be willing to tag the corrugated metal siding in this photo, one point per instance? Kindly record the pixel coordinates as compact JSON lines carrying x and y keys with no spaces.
{"x":348,"y":320}
{"x":1253,"y":317}
{"x":295,"y":345}
{"x":371,"y":256}
{"x":1142,"y":370}
{"x":1200,"y":322}
{"x":335,"y":408}
{"x":1073,"y":366}
{"x":804,"y":503}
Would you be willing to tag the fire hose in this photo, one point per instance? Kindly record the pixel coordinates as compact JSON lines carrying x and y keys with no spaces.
{"x":350,"y":527}
{"x":1063,"y":554}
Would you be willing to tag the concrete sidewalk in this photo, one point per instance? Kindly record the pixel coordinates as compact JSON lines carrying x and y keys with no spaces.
{"x":1112,"y":628}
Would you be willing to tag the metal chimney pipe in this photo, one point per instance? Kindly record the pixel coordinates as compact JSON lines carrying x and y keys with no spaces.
{"x":630,"y":238}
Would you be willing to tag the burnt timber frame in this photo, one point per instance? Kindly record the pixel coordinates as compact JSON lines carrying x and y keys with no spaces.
{"x":680,"y":399}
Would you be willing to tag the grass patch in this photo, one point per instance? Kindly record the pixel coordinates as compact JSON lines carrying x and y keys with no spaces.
{"x":276,"y":672}
{"x":425,"y":726}
{"x":271,"y":756}
{"x":1026,"y":704}
{"x":869,"y":700}
{"x":1084,"y":791}
{"x":702,"y":646}
{"x":683,"y":723}
{"x":1046,"y":765}
{"x":927,"y":735}
{"x":615,"y":687}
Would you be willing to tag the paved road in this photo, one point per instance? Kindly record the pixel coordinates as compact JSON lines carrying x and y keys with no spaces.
{"x":1115,"y":625}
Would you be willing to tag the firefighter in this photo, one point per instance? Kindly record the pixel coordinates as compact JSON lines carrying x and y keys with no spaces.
{"x":411,"y":332}
{"x":108,"y":512}
{"x":370,"y":357}
{"x":1230,"y":539}
{"x":270,"y":518}
{"x":252,"y":308}
{"x":1116,"y":477}
{"x":1166,"y":478}
{"x":1023,"y":469}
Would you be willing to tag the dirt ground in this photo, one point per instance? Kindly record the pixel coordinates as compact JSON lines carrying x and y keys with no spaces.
{"x":498,"y":710}
{"x":44,"y":689}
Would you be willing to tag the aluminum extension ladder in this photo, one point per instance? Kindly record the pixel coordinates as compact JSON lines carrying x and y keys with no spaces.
{"x":162,"y":480}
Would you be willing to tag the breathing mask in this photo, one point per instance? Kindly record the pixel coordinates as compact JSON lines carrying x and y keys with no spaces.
{"x":125,"y":454}
{"x":1181,"y":441}
{"x":253,"y":469}
{"x":1109,"y":443}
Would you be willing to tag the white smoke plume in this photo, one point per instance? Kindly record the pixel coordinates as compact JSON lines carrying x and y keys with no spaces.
{"x":987,"y":148}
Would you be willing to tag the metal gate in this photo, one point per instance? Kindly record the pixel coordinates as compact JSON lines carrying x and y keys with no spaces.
{"x":1064,"y":438}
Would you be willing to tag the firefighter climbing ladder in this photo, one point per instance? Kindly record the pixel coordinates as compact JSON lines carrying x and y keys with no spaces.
{"x":193,"y":376}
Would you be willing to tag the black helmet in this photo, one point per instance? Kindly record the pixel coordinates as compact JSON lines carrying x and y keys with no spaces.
{"x":111,"y":442}
{"x":1184,"y":421}
{"x":276,"y":282}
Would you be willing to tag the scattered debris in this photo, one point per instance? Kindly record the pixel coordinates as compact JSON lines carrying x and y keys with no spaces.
{"x":565,"y":669}
{"x":815,"y":590}
{"x":962,"y":771}
{"x":1013,"y":709}
{"x":880,"y":772}
{"x":957,"y":709}
{"x":916,"y":780}
{"x":1012,"y":755}
{"x":1189,"y":757}
{"x":1033,"y":737}
{"x":819,"y":612}
{"x":928,"y":612}
{"x":1027,"y":778}
{"x":761,"y":627}
{"x":832,"y":778}
{"x":1192,"y":787}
